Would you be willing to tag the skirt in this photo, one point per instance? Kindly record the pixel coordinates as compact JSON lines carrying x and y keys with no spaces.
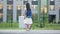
{"x":28,"y":20}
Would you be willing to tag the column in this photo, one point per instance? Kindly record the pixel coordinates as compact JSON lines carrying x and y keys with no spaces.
{"x":4,"y":10}
{"x":22,"y":11}
{"x":14,"y":11}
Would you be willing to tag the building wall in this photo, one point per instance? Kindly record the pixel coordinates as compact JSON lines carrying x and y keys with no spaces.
{"x":3,"y":2}
{"x":56,"y":9}
{"x":14,"y":11}
{"x":33,"y":7}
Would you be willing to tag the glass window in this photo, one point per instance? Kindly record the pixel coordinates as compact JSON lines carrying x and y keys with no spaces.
{"x":51,"y":7}
{"x":52,"y":4}
{"x":9,"y":7}
{"x":44,"y":8}
{"x":1,"y":15}
{"x":9,"y":1}
{"x":18,"y":11}
{"x":18,"y":7}
{"x":1,"y":12}
{"x":24,"y":7}
{"x":1,"y":0}
{"x":25,"y":2}
{"x":34,"y":7}
{"x":9,"y":13}
{"x":1,"y":6}
{"x":34,"y":2}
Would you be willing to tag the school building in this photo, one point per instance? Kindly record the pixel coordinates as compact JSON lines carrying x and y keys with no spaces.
{"x":10,"y":10}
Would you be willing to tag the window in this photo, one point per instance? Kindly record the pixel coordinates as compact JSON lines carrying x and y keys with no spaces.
{"x":18,"y":11}
{"x":9,"y":7}
{"x":34,"y":7}
{"x":18,"y":7}
{"x":59,"y":7}
{"x":9,"y":13}
{"x":52,"y":5}
{"x":1,"y":0}
{"x":24,"y":7}
{"x":44,"y":8}
{"x":1,"y":6}
{"x":52,"y":2}
{"x":9,"y":1}
{"x":1,"y":15}
{"x":34,"y":2}
{"x":25,"y":2}
{"x":1,"y":12}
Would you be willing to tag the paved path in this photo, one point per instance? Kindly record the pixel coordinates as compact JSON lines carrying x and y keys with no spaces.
{"x":30,"y":32}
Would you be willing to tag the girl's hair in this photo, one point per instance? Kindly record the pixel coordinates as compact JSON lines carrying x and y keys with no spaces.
{"x":28,"y":6}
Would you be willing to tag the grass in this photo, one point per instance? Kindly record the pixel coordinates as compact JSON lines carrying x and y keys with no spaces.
{"x":33,"y":27}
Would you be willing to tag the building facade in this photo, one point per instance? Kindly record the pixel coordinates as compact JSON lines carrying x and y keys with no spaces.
{"x":54,"y":10}
{"x":10,"y":10}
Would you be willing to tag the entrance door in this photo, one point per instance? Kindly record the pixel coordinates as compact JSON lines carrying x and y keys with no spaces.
{"x":1,"y":13}
{"x":52,"y":18}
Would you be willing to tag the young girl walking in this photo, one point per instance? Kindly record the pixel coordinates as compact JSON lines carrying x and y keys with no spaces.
{"x":28,"y":17}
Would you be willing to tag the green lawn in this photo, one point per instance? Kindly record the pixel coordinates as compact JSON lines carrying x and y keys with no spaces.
{"x":33,"y":27}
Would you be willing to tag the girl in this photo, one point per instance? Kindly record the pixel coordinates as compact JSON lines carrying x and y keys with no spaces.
{"x":27,"y":17}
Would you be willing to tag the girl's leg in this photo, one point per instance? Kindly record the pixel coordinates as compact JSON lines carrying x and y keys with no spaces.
{"x":28,"y":26}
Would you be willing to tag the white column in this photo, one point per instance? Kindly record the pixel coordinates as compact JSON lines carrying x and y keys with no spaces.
{"x":4,"y":10}
{"x":22,"y":11}
{"x":14,"y":11}
{"x":57,"y":18}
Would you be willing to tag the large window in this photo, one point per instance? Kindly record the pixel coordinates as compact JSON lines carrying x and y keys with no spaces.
{"x":9,"y":1}
{"x":1,"y":12}
{"x":52,"y":2}
{"x":44,"y":8}
{"x":18,"y":11}
{"x":1,"y":6}
{"x":34,"y":2}
{"x":25,"y":2}
{"x":9,"y":13}
{"x":52,"y":5}
{"x":18,"y":7}
{"x":9,"y":7}
{"x":34,"y":7}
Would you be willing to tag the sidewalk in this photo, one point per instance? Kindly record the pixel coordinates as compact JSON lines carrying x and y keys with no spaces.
{"x":31,"y":31}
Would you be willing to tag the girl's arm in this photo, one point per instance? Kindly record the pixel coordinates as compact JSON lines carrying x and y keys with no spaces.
{"x":25,"y":14}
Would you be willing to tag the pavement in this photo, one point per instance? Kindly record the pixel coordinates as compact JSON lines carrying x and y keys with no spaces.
{"x":30,"y":32}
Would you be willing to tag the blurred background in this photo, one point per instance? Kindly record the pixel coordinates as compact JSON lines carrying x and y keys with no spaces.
{"x":45,"y":13}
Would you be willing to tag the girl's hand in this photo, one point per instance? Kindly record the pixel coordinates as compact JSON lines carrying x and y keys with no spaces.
{"x":25,"y":17}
